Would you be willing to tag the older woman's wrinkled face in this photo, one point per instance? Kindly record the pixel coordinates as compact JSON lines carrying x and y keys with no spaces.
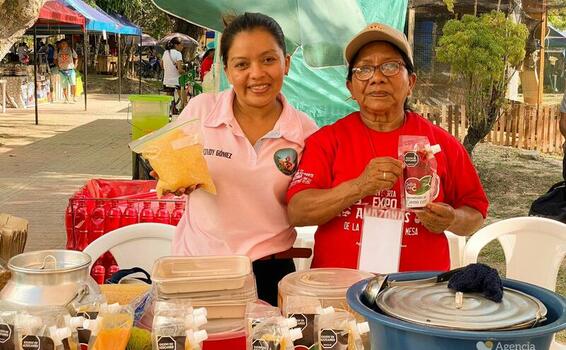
{"x":380,"y":93}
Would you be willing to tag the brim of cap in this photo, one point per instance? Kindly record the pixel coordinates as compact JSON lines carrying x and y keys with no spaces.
{"x":364,"y":38}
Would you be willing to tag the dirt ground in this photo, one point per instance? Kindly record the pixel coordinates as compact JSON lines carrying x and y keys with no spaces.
{"x":513,"y":179}
{"x":108,"y":84}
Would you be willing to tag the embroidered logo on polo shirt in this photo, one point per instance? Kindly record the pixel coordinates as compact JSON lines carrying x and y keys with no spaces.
{"x":286,"y":161}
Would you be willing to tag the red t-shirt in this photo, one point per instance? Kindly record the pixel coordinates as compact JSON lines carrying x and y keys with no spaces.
{"x":205,"y":66}
{"x":340,"y":152}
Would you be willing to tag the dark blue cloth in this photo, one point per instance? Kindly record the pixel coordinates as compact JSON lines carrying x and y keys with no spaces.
{"x":478,"y":278}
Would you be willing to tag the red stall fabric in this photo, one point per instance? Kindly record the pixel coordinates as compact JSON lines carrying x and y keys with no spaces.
{"x":57,"y":11}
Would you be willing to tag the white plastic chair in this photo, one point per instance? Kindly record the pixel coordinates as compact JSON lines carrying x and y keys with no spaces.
{"x":137,"y":245}
{"x":534,"y":249}
{"x":456,"y":246}
{"x":305,"y":239}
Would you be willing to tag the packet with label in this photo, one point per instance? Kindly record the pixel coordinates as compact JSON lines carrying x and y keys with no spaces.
{"x":7,"y":330}
{"x":115,"y":327}
{"x":304,"y":310}
{"x":178,"y":333}
{"x":273,"y":334}
{"x":340,"y":331}
{"x":256,"y":312}
{"x":420,"y":181}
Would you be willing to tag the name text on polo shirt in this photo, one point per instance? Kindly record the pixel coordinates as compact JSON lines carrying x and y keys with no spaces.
{"x":216,"y":152}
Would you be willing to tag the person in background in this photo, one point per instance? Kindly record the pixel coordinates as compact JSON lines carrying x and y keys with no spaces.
{"x":207,"y":61}
{"x":51,"y":55}
{"x":66,"y":60}
{"x":23,"y":53}
{"x":172,"y":65}
{"x":354,"y":162}
{"x":248,"y":131}
{"x":563,"y":132}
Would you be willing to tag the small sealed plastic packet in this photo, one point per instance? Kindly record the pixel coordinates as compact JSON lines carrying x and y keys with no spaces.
{"x":420,"y":181}
{"x":305,"y":310}
{"x":115,"y":327}
{"x":166,"y":307}
{"x":176,"y":154}
{"x":256,"y":312}
{"x":63,"y":338}
{"x":340,"y":331}
{"x":173,"y":332}
{"x":273,"y":334}
{"x":32,"y":333}
{"x":7,"y":330}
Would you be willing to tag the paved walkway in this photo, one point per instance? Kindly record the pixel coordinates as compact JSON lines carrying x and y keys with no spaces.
{"x":41,"y":166}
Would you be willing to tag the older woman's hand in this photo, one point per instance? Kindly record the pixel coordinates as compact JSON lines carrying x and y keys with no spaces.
{"x":179,"y":191}
{"x":380,"y":174}
{"x":437,"y":217}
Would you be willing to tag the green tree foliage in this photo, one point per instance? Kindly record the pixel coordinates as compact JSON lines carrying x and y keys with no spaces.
{"x":480,"y":50}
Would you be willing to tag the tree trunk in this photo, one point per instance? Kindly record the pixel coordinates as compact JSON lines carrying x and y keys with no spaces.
{"x":15,"y":17}
{"x":97,"y":43}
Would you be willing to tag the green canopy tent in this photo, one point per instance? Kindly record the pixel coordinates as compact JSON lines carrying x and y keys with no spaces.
{"x":316,"y":32}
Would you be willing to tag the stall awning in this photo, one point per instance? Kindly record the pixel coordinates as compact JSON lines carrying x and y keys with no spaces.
{"x":96,"y":19}
{"x":55,"y":11}
{"x":126,"y":27}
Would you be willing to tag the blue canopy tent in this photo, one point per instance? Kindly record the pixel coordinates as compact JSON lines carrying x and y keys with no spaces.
{"x":100,"y":21}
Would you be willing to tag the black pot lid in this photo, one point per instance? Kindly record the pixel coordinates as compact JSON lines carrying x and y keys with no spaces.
{"x":437,"y":306}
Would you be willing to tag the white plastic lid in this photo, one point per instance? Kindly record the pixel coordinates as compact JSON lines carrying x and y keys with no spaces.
{"x":74,"y":322}
{"x":58,"y":334}
{"x":290,"y":322}
{"x":195,"y":321}
{"x":200,"y":311}
{"x":197,"y":337}
{"x":435,"y":149}
{"x":295,"y":334}
{"x":110,"y":309}
{"x":325,"y":311}
{"x":93,"y":325}
{"x":363,"y":328}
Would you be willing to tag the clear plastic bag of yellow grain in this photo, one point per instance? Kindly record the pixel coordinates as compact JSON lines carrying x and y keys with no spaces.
{"x":175,"y":153}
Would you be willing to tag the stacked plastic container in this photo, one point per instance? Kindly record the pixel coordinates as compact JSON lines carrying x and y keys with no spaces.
{"x":102,"y":206}
{"x":221,"y":284}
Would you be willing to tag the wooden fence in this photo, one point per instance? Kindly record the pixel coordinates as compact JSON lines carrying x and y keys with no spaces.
{"x":518,"y":127}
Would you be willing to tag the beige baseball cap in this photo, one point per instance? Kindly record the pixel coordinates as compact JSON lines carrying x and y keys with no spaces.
{"x":377,"y":32}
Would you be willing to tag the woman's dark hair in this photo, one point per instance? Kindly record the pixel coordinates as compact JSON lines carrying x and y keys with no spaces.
{"x":171,"y":44}
{"x":247,"y":22}
{"x":408,"y":65}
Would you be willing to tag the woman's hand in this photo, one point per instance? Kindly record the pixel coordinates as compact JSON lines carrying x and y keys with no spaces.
{"x":180,"y":191}
{"x":437,"y":217}
{"x":380,"y":174}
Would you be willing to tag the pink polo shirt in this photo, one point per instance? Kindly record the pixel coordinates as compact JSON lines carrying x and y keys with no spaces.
{"x":248,"y":215}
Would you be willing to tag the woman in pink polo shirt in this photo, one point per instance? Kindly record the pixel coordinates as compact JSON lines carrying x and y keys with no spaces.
{"x":253,"y":140}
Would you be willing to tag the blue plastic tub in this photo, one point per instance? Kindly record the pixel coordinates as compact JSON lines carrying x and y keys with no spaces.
{"x":388,"y":333}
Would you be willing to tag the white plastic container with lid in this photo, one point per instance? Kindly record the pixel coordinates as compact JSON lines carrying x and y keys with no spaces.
{"x":179,"y":275}
{"x":327,"y":285}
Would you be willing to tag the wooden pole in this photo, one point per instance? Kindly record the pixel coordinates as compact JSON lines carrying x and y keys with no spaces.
{"x":140,"y":65}
{"x":35,"y":74}
{"x":85,"y":53}
{"x":119,"y":67}
{"x":540,"y":94}
{"x":411,"y":28}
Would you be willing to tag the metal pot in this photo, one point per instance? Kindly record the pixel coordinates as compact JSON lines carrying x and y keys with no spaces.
{"x":399,"y":327}
{"x":48,"y":277}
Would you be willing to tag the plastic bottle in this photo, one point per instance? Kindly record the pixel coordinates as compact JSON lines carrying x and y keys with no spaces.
{"x":162,"y":216}
{"x":81,"y":226}
{"x":112,"y":270}
{"x":146,"y":214}
{"x":97,"y":221}
{"x":71,"y":209}
{"x":113,"y":217}
{"x":98,"y":273}
{"x":130,"y":216}
{"x":177,"y":213}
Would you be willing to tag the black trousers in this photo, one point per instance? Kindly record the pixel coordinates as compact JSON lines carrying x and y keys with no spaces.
{"x":564,"y":166}
{"x":268,"y":273}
